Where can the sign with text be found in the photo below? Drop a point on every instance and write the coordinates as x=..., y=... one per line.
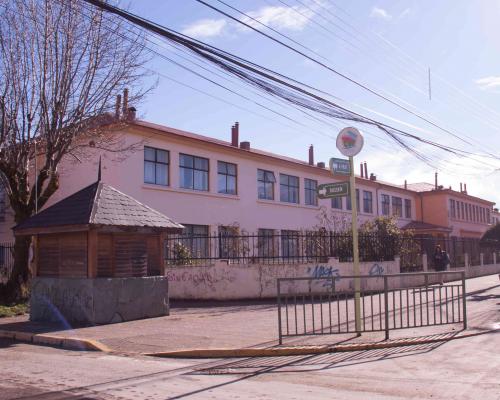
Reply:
x=340, y=166
x=330, y=190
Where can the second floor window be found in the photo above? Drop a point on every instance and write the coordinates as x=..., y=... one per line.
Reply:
x=289, y=188
x=226, y=177
x=311, y=197
x=337, y=203
x=407, y=208
x=265, y=184
x=397, y=206
x=156, y=166
x=452, y=208
x=193, y=172
x=367, y=202
x=385, y=204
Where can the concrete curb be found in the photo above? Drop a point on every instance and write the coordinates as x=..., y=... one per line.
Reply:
x=43, y=339
x=305, y=350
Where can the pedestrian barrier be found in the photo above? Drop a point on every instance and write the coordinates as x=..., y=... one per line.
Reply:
x=326, y=306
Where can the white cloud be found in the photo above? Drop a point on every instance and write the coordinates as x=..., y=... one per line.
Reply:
x=380, y=13
x=405, y=13
x=205, y=28
x=489, y=82
x=291, y=18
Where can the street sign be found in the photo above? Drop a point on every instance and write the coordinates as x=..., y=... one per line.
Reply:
x=330, y=190
x=340, y=166
x=350, y=141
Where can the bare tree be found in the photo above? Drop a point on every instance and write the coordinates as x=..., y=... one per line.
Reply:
x=61, y=65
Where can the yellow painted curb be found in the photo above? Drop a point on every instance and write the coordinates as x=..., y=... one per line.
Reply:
x=250, y=352
x=70, y=343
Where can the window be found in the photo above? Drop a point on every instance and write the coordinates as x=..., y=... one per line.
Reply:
x=229, y=242
x=462, y=207
x=289, y=188
x=385, y=204
x=193, y=172
x=452, y=208
x=156, y=166
x=397, y=206
x=367, y=202
x=265, y=184
x=226, y=177
x=310, y=186
x=407, y=208
x=348, y=201
x=195, y=238
x=289, y=243
x=265, y=243
x=337, y=203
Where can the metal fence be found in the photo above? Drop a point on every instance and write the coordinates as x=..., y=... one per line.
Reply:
x=305, y=247
x=277, y=248
x=324, y=306
x=6, y=261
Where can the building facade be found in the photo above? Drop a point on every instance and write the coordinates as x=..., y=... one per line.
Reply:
x=213, y=186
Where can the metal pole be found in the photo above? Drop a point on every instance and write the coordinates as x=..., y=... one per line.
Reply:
x=36, y=182
x=355, y=249
x=279, y=311
x=386, y=308
x=464, y=314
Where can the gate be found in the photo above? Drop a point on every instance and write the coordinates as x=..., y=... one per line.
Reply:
x=324, y=306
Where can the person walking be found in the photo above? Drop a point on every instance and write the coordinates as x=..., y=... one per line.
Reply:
x=441, y=261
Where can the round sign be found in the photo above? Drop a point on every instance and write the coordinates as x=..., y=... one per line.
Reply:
x=350, y=141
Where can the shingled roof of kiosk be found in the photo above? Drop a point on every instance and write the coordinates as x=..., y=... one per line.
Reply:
x=97, y=205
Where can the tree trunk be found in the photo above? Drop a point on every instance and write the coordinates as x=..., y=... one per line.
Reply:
x=16, y=289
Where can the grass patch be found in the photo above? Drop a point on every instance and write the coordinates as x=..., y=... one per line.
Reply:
x=13, y=310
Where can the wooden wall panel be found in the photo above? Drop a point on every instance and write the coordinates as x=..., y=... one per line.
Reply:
x=48, y=255
x=131, y=255
x=63, y=255
x=154, y=266
x=105, y=255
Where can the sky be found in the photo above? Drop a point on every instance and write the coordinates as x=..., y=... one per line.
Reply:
x=387, y=45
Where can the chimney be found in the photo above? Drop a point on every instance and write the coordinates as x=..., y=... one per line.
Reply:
x=320, y=164
x=118, y=106
x=373, y=177
x=235, y=134
x=465, y=188
x=361, y=168
x=461, y=188
x=125, y=103
x=366, y=170
x=131, y=114
x=406, y=184
x=244, y=145
x=436, y=180
x=311, y=155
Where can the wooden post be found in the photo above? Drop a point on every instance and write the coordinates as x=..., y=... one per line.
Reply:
x=161, y=249
x=35, y=256
x=92, y=253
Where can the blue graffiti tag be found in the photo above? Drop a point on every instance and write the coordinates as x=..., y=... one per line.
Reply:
x=324, y=271
x=376, y=270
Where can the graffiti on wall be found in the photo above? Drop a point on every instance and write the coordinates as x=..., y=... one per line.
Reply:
x=324, y=271
x=376, y=270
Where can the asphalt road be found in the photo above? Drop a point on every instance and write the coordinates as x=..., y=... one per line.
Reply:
x=459, y=369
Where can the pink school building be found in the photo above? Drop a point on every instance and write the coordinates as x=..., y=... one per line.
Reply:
x=210, y=185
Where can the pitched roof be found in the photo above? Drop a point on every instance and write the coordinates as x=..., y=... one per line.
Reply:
x=98, y=204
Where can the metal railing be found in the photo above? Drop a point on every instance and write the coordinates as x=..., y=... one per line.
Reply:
x=324, y=306
x=6, y=261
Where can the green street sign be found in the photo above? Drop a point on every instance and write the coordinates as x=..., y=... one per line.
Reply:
x=330, y=190
x=340, y=166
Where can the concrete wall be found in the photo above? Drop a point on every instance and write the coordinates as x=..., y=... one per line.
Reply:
x=224, y=281
x=98, y=301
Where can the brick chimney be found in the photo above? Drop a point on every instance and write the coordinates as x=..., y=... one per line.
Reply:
x=361, y=169
x=311, y=155
x=366, y=170
x=235, y=134
x=245, y=145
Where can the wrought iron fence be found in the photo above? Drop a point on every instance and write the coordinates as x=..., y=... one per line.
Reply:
x=305, y=247
x=6, y=260
x=277, y=248
x=322, y=306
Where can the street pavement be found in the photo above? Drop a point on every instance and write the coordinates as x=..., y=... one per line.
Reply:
x=459, y=369
x=242, y=325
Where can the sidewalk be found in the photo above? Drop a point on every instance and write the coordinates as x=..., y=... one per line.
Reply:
x=248, y=325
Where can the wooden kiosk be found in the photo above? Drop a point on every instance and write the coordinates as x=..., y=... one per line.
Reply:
x=98, y=258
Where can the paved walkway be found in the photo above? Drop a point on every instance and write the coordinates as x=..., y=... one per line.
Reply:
x=244, y=325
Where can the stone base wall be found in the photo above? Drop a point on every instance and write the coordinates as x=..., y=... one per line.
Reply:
x=85, y=301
